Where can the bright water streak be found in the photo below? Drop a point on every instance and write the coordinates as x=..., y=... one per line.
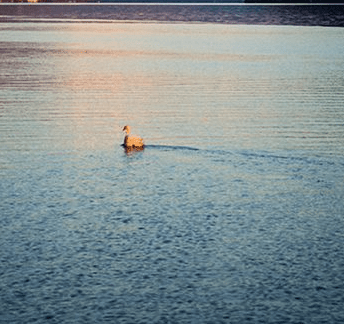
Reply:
x=234, y=211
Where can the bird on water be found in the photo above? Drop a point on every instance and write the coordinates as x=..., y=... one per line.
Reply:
x=132, y=142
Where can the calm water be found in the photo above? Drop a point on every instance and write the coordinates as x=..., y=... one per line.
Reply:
x=232, y=214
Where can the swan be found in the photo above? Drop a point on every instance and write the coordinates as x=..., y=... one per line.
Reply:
x=131, y=141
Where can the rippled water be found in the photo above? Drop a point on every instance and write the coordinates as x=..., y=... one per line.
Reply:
x=232, y=214
x=229, y=13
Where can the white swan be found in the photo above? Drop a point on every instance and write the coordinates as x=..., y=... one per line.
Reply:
x=132, y=142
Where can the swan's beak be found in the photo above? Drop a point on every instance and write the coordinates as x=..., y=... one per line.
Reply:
x=127, y=129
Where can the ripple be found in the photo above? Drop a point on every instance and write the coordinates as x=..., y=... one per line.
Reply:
x=233, y=212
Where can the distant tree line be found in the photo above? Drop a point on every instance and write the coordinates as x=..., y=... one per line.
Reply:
x=128, y=1
x=183, y=1
x=124, y=1
x=294, y=1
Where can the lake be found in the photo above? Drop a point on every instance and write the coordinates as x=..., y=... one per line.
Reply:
x=233, y=212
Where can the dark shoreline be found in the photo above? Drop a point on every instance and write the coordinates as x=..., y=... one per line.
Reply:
x=176, y=2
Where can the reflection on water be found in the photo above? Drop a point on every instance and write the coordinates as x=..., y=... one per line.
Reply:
x=285, y=84
x=231, y=213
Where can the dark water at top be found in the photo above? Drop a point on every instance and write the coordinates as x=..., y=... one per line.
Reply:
x=302, y=15
x=233, y=213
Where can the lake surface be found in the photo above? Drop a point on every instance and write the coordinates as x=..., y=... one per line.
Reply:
x=247, y=14
x=233, y=213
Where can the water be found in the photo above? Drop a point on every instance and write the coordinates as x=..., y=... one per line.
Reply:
x=232, y=214
x=230, y=13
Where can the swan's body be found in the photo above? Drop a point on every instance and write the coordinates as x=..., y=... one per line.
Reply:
x=132, y=142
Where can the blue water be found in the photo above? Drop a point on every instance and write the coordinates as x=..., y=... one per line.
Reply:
x=233, y=212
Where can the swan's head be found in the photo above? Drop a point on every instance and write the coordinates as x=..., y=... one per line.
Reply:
x=126, y=129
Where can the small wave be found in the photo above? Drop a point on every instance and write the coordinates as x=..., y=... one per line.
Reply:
x=314, y=160
x=171, y=147
x=269, y=156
